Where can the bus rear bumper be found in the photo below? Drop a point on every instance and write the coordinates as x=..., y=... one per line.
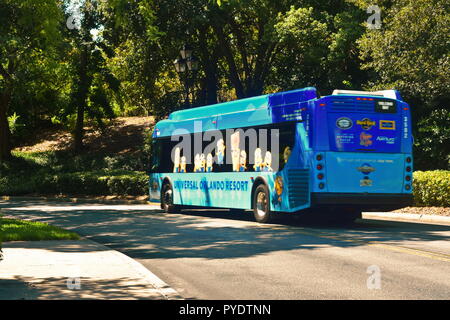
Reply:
x=365, y=201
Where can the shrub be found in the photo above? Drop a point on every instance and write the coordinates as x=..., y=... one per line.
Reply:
x=432, y=188
x=76, y=183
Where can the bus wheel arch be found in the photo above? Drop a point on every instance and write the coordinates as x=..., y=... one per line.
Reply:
x=258, y=181
x=167, y=197
x=260, y=201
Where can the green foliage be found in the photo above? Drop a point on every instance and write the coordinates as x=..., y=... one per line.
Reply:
x=432, y=188
x=22, y=230
x=48, y=72
x=432, y=145
x=14, y=125
x=66, y=173
x=76, y=183
x=411, y=51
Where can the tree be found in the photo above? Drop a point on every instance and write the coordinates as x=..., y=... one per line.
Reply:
x=26, y=27
x=411, y=53
x=92, y=79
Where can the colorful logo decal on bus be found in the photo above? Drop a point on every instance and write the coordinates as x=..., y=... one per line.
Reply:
x=387, y=140
x=366, y=168
x=366, y=123
x=365, y=139
x=387, y=124
x=278, y=191
x=344, y=123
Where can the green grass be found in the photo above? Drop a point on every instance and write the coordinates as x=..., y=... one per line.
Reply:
x=21, y=230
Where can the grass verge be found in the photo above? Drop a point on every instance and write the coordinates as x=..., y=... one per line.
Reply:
x=22, y=230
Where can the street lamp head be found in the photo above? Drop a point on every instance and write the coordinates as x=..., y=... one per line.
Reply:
x=186, y=51
x=192, y=63
x=180, y=65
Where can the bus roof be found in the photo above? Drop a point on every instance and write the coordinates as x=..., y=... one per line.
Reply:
x=391, y=94
x=252, y=111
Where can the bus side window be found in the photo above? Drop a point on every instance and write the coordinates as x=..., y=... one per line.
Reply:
x=165, y=158
x=286, y=140
x=156, y=154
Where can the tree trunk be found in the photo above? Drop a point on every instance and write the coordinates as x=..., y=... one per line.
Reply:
x=5, y=146
x=209, y=60
x=81, y=96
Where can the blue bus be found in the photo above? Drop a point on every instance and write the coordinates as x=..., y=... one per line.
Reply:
x=291, y=152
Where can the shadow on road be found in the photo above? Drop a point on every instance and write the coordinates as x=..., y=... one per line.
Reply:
x=218, y=234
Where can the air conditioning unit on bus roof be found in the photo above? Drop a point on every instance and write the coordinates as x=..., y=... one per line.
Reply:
x=384, y=93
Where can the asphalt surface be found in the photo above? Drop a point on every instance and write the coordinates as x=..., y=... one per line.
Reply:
x=207, y=254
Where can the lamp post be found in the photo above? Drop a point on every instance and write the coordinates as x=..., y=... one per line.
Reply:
x=186, y=66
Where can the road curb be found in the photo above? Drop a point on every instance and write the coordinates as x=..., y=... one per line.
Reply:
x=407, y=217
x=163, y=288
x=74, y=200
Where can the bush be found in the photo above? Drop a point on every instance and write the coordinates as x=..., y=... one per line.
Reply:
x=76, y=183
x=432, y=188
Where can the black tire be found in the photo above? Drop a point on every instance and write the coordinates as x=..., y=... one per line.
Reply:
x=261, y=204
x=338, y=216
x=167, y=199
x=350, y=215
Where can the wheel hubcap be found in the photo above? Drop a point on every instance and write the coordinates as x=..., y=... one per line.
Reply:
x=261, y=204
x=168, y=197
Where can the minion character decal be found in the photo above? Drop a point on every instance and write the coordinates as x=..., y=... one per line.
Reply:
x=209, y=163
x=220, y=151
x=183, y=164
x=197, y=163
x=176, y=160
x=258, y=160
x=279, y=186
x=268, y=162
x=286, y=154
x=235, y=151
x=202, y=163
x=243, y=161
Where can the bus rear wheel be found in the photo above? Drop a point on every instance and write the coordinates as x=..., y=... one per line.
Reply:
x=261, y=204
x=167, y=199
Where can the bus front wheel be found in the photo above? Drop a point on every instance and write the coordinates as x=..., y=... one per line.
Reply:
x=167, y=199
x=261, y=204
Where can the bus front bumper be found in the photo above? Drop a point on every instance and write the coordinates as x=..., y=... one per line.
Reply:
x=365, y=201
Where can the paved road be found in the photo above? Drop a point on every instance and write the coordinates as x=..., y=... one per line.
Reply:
x=219, y=255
